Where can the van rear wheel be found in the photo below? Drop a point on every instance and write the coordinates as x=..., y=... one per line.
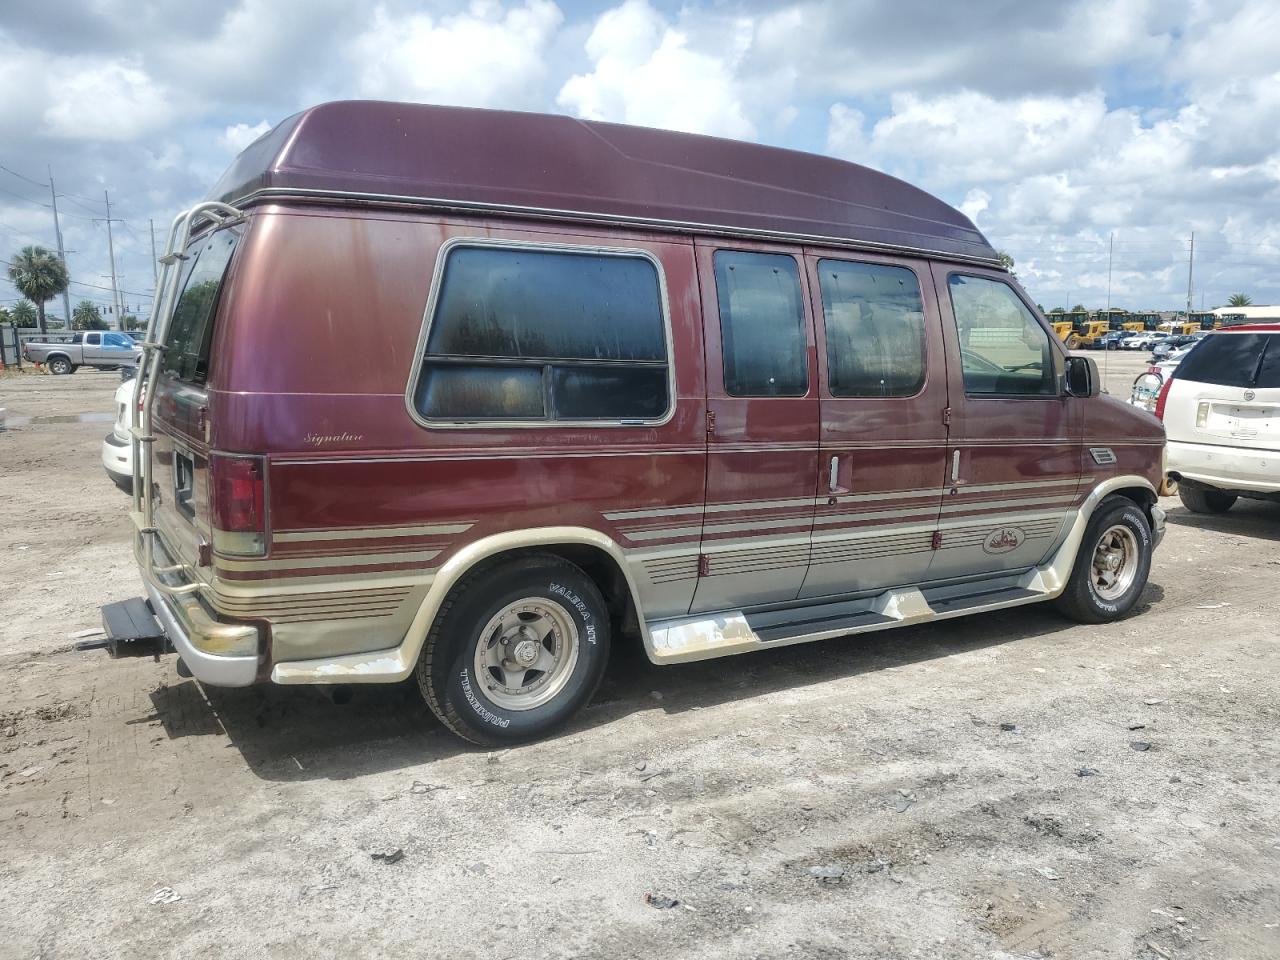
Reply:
x=1112, y=564
x=1204, y=500
x=516, y=651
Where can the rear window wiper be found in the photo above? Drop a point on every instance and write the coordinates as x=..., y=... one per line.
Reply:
x=1257, y=369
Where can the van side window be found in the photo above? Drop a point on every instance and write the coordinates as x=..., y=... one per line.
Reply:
x=530, y=334
x=187, y=342
x=1003, y=350
x=762, y=333
x=874, y=318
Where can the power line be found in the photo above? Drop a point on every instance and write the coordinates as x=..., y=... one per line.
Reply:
x=96, y=286
x=21, y=233
x=20, y=176
x=21, y=197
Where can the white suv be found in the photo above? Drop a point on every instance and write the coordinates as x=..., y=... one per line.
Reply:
x=1221, y=413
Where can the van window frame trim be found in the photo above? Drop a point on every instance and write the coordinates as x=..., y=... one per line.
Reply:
x=1056, y=346
x=542, y=423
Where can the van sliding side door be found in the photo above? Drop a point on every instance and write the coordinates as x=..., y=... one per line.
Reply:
x=1014, y=463
x=883, y=433
x=762, y=425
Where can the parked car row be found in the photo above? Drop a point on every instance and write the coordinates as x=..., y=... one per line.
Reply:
x=1154, y=340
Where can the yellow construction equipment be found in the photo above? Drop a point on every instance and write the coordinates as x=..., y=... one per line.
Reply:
x=1066, y=332
x=1090, y=332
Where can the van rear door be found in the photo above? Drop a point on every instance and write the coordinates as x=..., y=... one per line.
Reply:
x=1013, y=472
x=180, y=410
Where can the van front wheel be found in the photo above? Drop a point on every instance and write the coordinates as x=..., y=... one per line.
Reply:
x=516, y=651
x=1112, y=565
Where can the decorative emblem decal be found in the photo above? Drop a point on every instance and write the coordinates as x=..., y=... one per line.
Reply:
x=1249, y=394
x=1003, y=540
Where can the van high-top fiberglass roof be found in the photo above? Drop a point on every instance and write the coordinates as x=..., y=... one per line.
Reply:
x=542, y=165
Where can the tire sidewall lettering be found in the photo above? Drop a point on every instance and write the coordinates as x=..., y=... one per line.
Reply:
x=483, y=712
x=579, y=606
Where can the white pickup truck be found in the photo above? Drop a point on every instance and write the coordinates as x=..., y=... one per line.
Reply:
x=103, y=349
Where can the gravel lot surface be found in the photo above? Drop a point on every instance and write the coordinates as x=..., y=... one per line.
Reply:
x=1007, y=785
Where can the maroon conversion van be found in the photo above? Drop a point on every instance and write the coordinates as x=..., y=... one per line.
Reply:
x=473, y=395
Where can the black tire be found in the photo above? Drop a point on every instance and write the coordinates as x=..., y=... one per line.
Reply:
x=61, y=366
x=447, y=665
x=1205, y=500
x=1086, y=601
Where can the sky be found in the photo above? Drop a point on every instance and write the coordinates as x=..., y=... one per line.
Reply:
x=1054, y=125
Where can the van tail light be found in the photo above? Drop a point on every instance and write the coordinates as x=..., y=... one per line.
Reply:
x=239, y=504
x=1163, y=398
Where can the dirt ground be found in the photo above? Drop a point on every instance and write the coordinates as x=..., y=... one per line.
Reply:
x=977, y=788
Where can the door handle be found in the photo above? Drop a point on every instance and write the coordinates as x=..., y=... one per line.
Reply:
x=833, y=476
x=955, y=467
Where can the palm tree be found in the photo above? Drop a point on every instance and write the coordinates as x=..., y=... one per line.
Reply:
x=40, y=276
x=24, y=314
x=1240, y=300
x=86, y=317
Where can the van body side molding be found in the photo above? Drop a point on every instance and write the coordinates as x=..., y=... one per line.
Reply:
x=685, y=639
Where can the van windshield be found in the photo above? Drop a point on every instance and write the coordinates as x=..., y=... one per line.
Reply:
x=186, y=345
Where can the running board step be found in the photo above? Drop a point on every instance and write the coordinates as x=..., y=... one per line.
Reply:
x=784, y=624
x=715, y=635
x=985, y=598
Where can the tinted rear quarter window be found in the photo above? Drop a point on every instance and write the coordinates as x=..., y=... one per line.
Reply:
x=545, y=335
x=1234, y=360
x=186, y=345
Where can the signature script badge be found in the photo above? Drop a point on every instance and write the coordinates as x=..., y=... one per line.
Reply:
x=325, y=439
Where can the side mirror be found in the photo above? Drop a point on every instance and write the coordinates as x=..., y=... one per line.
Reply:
x=1082, y=377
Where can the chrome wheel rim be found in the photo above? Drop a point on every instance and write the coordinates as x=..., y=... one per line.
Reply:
x=1115, y=562
x=526, y=653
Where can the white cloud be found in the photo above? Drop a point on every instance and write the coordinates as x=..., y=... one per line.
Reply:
x=646, y=71
x=489, y=56
x=236, y=138
x=104, y=100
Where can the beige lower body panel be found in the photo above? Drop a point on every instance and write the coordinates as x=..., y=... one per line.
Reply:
x=661, y=580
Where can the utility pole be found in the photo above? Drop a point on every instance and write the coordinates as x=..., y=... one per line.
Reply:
x=155, y=264
x=62, y=253
x=1111, y=249
x=1191, y=259
x=111, y=251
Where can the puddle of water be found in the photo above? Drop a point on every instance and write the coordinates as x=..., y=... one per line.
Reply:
x=60, y=418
